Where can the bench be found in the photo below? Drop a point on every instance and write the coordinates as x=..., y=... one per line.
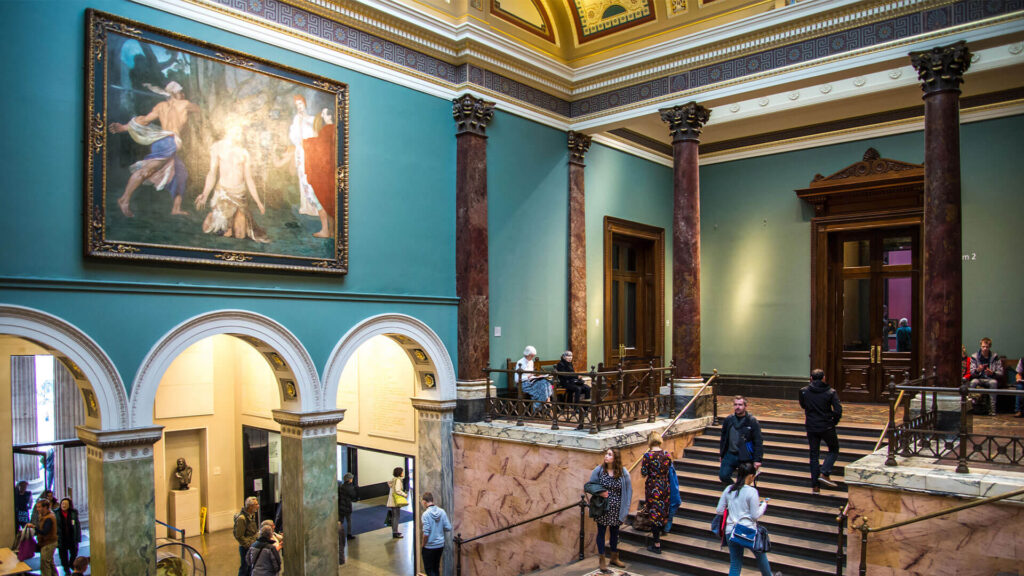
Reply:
x=539, y=366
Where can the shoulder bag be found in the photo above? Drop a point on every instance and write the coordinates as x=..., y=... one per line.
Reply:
x=400, y=500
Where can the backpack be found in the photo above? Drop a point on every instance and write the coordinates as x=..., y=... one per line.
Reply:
x=255, y=561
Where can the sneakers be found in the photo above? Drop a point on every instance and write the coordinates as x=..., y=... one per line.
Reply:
x=827, y=481
x=398, y=535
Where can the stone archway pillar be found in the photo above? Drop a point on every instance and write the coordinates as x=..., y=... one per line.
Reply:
x=435, y=463
x=309, y=490
x=122, y=518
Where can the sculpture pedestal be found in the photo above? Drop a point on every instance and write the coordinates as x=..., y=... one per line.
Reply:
x=183, y=512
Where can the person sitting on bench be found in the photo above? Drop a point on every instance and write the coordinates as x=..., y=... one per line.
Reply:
x=986, y=371
x=575, y=388
x=536, y=386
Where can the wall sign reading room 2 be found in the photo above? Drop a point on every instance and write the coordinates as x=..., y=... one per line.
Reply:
x=199, y=154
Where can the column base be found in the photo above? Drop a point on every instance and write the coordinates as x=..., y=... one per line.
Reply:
x=948, y=418
x=685, y=390
x=471, y=404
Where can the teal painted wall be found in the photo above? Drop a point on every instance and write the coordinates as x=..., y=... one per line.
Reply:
x=401, y=211
x=630, y=188
x=755, y=247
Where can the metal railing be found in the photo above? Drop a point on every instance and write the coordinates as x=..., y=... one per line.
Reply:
x=617, y=397
x=460, y=541
x=169, y=527
x=865, y=529
x=918, y=436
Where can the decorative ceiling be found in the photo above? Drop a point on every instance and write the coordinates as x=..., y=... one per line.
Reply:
x=596, y=18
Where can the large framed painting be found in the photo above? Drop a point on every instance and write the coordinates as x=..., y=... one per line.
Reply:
x=197, y=154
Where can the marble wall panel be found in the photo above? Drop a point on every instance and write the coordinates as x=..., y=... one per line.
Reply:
x=310, y=498
x=434, y=470
x=499, y=482
x=122, y=530
x=982, y=541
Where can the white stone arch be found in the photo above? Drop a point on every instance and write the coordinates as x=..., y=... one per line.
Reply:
x=391, y=324
x=90, y=366
x=264, y=334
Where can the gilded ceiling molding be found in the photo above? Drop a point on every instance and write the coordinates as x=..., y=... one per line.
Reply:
x=544, y=31
x=594, y=19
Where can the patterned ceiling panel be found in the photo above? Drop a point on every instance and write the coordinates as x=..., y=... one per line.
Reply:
x=596, y=18
x=530, y=15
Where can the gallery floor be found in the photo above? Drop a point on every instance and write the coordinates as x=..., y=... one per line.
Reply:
x=373, y=553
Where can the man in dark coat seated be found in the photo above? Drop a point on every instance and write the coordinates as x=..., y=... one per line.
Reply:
x=575, y=388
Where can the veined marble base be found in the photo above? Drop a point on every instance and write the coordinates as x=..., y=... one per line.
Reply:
x=685, y=389
x=924, y=475
x=543, y=435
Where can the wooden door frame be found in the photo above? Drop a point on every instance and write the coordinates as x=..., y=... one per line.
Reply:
x=613, y=226
x=873, y=193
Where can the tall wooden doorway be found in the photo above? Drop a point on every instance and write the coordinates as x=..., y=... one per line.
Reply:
x=634, y=293
x=866, y=274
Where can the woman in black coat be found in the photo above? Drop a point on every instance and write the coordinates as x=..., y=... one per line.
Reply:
x=69, y=534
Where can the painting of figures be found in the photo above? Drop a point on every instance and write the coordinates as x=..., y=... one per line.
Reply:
x=197, y=154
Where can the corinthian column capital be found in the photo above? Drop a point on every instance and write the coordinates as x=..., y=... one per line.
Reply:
x=579, y=143
x=685, y=121
x=472, y=115
x=942, y=68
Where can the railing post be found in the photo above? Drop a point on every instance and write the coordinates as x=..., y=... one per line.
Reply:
x=841, y=521
x=864, y=547
x=520, y=407
x=905, y=405
x=488, y=405
x=618, y=401
x=583, y=508
x=672, y=391
x=907, y=428
x=652, y=393
x=458, y=554
x=935, y=399
x=890, y=460
x=595, y=392
x=923, y=395
x=961, y=466
x=714, y=403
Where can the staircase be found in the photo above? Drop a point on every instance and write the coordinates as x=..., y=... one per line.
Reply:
x=802, y=525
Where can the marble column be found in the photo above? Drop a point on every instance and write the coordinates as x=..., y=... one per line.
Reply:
x=941, y=72
x=435, y=463
x=578, y=146
x=122, y=506
x=309, y=490
x=685, y=123
x=472, y=115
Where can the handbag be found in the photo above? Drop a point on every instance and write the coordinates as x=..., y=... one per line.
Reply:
x=761, y=542
x=642, y=519
x=743, y=535
x=718, y=523
x=400, y=501
x=27, y=545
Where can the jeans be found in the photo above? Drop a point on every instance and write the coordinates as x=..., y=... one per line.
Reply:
x=1018, y=404
x=729, y=463
x=991, y=384
x=432, y=560
x=814, y=440
x=736, y=560
x=613, y=538
x=243, y=568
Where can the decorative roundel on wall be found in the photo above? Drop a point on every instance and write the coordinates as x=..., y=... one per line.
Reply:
x=428, y=380
x=289, y=388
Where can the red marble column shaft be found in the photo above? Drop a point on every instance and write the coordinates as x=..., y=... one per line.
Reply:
x=578, y=146
x=685, y=124
x=941, y=71
x=471, y=263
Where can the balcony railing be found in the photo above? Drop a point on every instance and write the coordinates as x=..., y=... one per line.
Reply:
x=617, y=397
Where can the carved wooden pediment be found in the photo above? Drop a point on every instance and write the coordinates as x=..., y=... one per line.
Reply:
x=867, y=185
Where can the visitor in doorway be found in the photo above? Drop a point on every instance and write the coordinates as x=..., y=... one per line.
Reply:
x=903, y=342
x=80, y=565
x=618, y=494
x=346, y=496
x=45, y=526
x=397, y=498
x=536, y=386
x=264, y=553
x=47, y=495
x=22, y=505
x=822, y=412
x=741, y=441
x=246, y=531
x=69, y=533
x=1018, y=404
x=987, y=371
x=575, y=388
x=655, y=467
x=435, y=524
x=744, y=508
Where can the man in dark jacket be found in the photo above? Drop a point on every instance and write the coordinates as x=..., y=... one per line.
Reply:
x=822, y=412
x=741, y=440
x=346, y=495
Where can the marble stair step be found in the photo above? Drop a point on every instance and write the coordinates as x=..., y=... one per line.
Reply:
x=705, y=455
x=824, y=530
x=800, y=437
x=823, y=512
x=871, y=431
x=770, y=472
x=781, y=542
x=780, y=493
x=640, y=562
x=847, y=453
x=710, y=548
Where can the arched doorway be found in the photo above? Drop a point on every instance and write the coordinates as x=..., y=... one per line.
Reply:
x=424, y=389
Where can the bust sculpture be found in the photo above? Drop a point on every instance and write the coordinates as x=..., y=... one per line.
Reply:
x=184, y=474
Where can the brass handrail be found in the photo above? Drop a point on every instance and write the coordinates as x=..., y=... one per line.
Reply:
x=865, y=529
x=886, y=429
x=713, y=377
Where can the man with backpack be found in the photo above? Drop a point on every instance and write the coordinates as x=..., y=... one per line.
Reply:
x=741, y=440
x=822, y=412
x=246, y=532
